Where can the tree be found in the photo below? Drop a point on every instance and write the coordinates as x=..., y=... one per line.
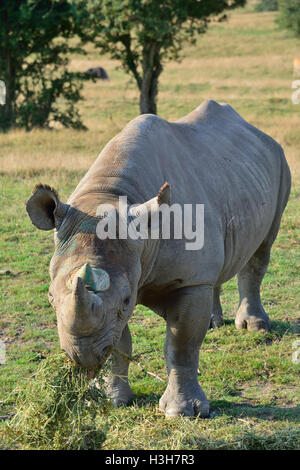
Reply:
x=289, y=15
x=34, y=43
x=266, y=5
x=144, y=34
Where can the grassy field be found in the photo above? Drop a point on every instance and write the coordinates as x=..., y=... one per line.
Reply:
x=249, y=378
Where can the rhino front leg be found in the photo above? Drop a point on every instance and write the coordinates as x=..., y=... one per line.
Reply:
x=251, y=314
x=118, y=388
x=188, y=318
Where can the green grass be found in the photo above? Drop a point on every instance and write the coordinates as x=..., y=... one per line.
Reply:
x=249, y=378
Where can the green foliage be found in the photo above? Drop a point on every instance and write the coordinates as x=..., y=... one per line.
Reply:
x=143, y=34
x=56, y=409
x=34, y=43
x=266, y=5
x=289, y=16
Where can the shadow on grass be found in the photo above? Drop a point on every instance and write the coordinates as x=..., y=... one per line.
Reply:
x=278, y=328
x=141, y=399
x=235, y=410
x=249, y=439
x=281, y=328
x=269, y=413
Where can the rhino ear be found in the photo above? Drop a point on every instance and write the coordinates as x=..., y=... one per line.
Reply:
x=164, y=194
x=45, y=209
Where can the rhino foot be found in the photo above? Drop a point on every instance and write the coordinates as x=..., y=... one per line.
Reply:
x=120, y=395
x=192, y=403
x=216, y=320
x=252, y=320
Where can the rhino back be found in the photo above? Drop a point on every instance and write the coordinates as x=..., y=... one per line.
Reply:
x=212, y=157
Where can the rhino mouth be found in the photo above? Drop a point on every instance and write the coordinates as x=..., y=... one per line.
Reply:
x=90, y=358
x=106, y=353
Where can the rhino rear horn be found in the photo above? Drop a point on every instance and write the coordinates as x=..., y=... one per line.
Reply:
x=45, y=209
x=95, y=279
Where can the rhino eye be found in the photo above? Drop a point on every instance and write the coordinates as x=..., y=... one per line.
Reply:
x=126, y=302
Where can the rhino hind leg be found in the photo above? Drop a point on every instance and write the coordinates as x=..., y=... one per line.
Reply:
x=188, y=317
x=251, y=314
x=217, y=314
x=118, y=388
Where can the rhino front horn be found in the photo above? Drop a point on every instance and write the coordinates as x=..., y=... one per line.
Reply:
x=85, y=310
x=96, y=280
x=80, y=295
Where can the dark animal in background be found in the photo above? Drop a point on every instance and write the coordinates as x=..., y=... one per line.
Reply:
x=97, y=72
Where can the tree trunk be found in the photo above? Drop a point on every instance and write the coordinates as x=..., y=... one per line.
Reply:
x=152, y=68
x=9, y=108
x=148, y=95
x=7, y=112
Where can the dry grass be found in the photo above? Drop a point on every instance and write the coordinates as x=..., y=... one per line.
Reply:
x=56, y=409
x=246, y=62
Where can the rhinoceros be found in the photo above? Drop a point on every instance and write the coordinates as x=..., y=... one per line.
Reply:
x=97, y=72
x=211, y=157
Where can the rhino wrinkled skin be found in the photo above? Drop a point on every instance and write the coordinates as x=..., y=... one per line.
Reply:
x=211, y=157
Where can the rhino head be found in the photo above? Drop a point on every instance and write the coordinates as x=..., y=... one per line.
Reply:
x=94, y=282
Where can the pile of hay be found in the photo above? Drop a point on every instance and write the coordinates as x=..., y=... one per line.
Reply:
x=57, y=408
